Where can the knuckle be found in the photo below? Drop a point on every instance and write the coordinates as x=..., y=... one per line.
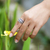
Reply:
x=17, y=23
x=25, y=13
x=34, y=21
x=35, y=32
x=21, y=30
x=29, y=18
x=28, y=31
x=26, y=34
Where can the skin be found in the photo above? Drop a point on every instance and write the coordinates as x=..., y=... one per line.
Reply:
x=34, y=19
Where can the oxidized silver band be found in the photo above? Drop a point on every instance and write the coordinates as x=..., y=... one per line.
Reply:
x=21, y=21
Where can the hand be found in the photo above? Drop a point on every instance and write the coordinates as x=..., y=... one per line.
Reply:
x=34, y=19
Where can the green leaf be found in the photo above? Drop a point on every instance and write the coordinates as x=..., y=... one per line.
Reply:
x=26, y=45
x=1, y=43
x=14, y=17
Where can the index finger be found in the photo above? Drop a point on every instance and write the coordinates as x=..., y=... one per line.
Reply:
x=15, y=28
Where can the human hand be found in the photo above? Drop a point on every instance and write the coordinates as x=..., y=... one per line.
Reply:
x=34, y=19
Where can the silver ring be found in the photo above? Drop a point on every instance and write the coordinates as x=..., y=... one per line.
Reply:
x=21, y=21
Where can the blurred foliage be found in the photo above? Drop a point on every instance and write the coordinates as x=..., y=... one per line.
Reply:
x=4, y=25
x=5, y=22
x=1, y=4
x=19, y=1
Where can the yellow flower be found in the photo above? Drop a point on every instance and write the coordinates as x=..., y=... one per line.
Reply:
x=6, y=33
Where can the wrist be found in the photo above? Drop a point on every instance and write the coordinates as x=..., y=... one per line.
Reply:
x=47, y=4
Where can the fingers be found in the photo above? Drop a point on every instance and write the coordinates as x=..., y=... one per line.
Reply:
x=28, y=31
x=35, y=31
x=21, y=31
x=15, y=28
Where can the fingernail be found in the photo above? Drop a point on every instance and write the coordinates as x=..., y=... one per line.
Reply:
x=16, y=41
x=10, y=35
